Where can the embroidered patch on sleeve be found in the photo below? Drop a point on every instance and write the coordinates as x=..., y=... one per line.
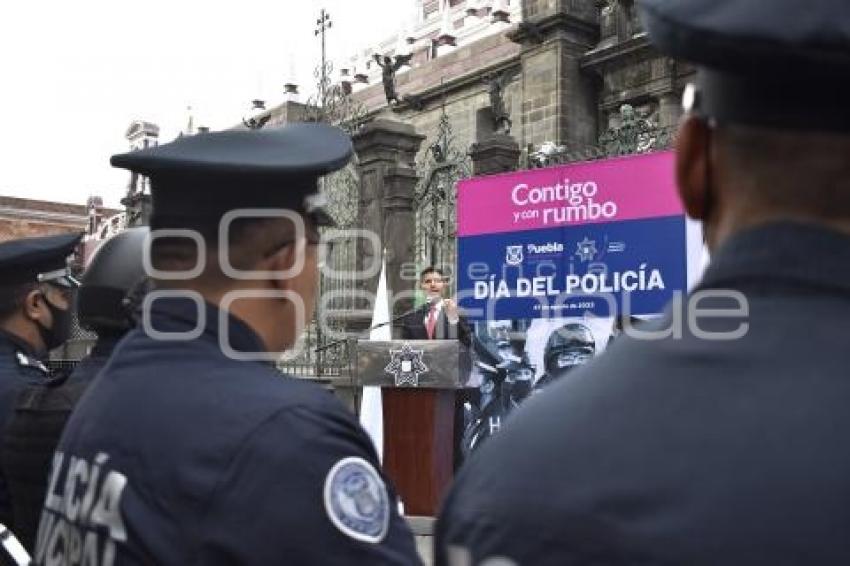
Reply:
x=356, y=500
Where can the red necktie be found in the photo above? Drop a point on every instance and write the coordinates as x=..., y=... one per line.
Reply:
x=431, y=323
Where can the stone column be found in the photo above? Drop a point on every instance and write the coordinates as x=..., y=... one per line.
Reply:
x=558, y=100
x=386, y=151
x=669, y=110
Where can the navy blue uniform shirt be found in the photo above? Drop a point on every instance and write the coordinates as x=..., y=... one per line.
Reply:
x=33, y=431
x=19, y=367
x=685, y=451
x=178, y=454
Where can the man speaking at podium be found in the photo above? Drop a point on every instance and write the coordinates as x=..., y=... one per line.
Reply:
x=438, y=318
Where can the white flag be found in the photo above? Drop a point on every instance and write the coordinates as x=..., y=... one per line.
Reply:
x=371, y=407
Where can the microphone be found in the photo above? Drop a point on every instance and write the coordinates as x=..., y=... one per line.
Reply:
x=366, y=332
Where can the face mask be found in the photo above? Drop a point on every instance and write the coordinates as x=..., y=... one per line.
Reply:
x=59, y=333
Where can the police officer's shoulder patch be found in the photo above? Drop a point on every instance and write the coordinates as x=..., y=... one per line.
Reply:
x=356, y=500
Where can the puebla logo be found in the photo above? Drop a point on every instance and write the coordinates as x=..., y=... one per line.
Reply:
x=513, y=255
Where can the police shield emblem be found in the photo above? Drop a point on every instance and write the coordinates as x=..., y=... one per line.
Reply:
x=513, y=255
x=406, y=365
x=356, y=500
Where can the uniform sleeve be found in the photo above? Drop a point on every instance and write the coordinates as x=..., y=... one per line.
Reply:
x=306, y=488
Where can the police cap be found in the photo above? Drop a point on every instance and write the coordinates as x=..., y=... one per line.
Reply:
x=781, y=64
x=36, y=260
x=196, y=179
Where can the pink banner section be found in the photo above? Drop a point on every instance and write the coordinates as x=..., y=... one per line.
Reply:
x=623, y=188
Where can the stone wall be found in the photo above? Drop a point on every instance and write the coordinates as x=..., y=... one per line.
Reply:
x=456, y=82
x=569, y=66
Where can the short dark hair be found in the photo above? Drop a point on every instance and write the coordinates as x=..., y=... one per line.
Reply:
x=250, y=240
x=431, y=269
x=12, y=297
x=805, y=172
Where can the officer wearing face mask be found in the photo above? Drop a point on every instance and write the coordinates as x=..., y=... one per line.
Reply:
x=108, y=300
x=35, y=317
x=570, y=346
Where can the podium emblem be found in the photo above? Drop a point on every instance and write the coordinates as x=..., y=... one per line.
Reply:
x=406, y=365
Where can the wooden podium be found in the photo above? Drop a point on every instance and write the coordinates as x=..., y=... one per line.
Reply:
x=420, y=380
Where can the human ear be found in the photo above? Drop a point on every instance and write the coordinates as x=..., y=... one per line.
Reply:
x=33, y=305
x=692, y=166
x=288, y=262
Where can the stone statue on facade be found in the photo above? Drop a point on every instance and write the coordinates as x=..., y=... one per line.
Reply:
x=607, y=19
x=496, y=84
x=388, y=69
x=618, y=19
x=256, y=123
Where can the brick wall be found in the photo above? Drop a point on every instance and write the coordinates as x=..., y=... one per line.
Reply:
x=23, y=218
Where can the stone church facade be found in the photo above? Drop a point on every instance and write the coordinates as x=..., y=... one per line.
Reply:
x=568, y=67
x=480, y=87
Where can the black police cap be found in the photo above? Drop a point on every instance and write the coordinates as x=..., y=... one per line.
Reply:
x=41, y=259
x=195, y=180
x=782, y=64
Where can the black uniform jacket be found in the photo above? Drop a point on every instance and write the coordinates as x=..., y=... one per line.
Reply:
x=181, y=453
x=33, y=431
x=20, y=366
x=686, y=450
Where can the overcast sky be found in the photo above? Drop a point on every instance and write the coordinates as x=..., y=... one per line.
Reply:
x=75, y=74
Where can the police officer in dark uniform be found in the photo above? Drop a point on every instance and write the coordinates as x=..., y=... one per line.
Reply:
x=190, y=447
x=724, y=445
x=107, y=303
x=110, y=297
x=35, y=316
x=567, y=348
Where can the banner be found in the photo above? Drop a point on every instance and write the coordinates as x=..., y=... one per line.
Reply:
x=552, y=263
x=571, y=240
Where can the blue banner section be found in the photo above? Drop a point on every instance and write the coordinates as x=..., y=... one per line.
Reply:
x=628, y=267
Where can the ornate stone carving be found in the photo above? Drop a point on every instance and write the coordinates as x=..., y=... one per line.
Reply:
x=634, y=134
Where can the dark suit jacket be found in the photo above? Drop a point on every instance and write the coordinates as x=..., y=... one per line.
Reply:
x=412, y=327
x=686, y=451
